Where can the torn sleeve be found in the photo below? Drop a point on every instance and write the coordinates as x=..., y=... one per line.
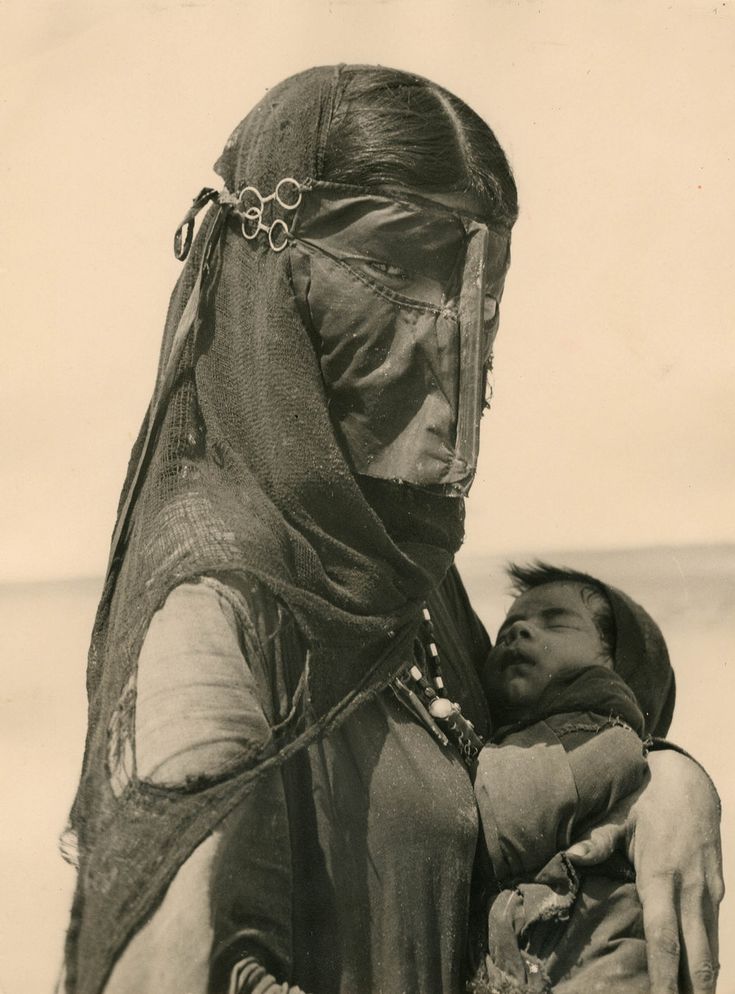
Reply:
x=225, y=922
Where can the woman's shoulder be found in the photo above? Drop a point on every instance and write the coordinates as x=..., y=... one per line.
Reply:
x=236, y=617
x=241, y=602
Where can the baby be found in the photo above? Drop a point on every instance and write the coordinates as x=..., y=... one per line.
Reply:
x=578, y=680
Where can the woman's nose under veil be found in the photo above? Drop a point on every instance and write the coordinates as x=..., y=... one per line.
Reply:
x=394, y=291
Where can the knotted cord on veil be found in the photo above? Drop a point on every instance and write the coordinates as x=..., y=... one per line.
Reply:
x=237, y=470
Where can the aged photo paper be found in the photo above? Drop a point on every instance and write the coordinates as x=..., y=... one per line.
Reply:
x=610, y=442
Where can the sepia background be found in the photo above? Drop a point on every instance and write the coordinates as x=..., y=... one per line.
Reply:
x=610, y=443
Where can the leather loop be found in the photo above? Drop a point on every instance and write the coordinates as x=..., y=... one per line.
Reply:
x=185, y=230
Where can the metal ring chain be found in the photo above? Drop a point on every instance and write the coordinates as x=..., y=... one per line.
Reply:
x=254, y=213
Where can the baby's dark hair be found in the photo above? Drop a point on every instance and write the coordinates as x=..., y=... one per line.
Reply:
x=593, y=593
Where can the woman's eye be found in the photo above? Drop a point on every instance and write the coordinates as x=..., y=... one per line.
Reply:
x=385, y=269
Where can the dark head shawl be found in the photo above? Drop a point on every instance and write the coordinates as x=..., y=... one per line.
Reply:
x=237, y=471
x=642, y=660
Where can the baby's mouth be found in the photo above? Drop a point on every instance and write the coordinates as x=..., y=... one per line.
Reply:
x=514, y=656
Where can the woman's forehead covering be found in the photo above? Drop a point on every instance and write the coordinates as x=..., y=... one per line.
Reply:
x=283, y=135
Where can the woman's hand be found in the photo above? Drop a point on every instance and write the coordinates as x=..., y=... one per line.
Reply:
x=671, y=831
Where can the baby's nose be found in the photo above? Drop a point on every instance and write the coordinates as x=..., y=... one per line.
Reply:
x=518, y=630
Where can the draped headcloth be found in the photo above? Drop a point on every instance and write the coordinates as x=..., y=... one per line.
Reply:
x=237, y=470
x=642, y=660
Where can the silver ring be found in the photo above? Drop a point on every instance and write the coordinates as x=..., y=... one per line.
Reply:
x=279, y=196
x=281, y=247
x=251, y=189
x=254, y=233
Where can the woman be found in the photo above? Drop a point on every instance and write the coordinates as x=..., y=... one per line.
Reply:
x=265, y=804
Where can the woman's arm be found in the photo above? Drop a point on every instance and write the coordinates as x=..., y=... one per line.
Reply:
x=225, y=922
x=671, y=830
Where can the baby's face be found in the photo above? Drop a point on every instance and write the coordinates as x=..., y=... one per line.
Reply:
x=548, y=630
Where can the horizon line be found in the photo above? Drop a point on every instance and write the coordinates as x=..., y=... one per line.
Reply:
x=30, y=581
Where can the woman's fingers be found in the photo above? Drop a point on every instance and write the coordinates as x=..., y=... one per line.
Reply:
x=612, y=835
x=699, y=948
x=680, y=921
x=661, y=925
x=677, y=856
x=700, y=944
x=598, y=845
x=670, y=830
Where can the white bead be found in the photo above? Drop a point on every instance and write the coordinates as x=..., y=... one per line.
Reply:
x=440, y=708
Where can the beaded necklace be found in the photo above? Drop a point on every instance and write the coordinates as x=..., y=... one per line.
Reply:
x=448, y=714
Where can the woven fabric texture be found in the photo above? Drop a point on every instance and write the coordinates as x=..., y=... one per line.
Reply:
x=244, y=477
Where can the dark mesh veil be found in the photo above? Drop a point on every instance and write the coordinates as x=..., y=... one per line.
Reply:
x=243, y=475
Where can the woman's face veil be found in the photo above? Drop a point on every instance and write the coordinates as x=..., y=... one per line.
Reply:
x=392, y=288
x=395, y=289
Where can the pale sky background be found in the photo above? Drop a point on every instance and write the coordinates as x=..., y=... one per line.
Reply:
x=614, y=411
